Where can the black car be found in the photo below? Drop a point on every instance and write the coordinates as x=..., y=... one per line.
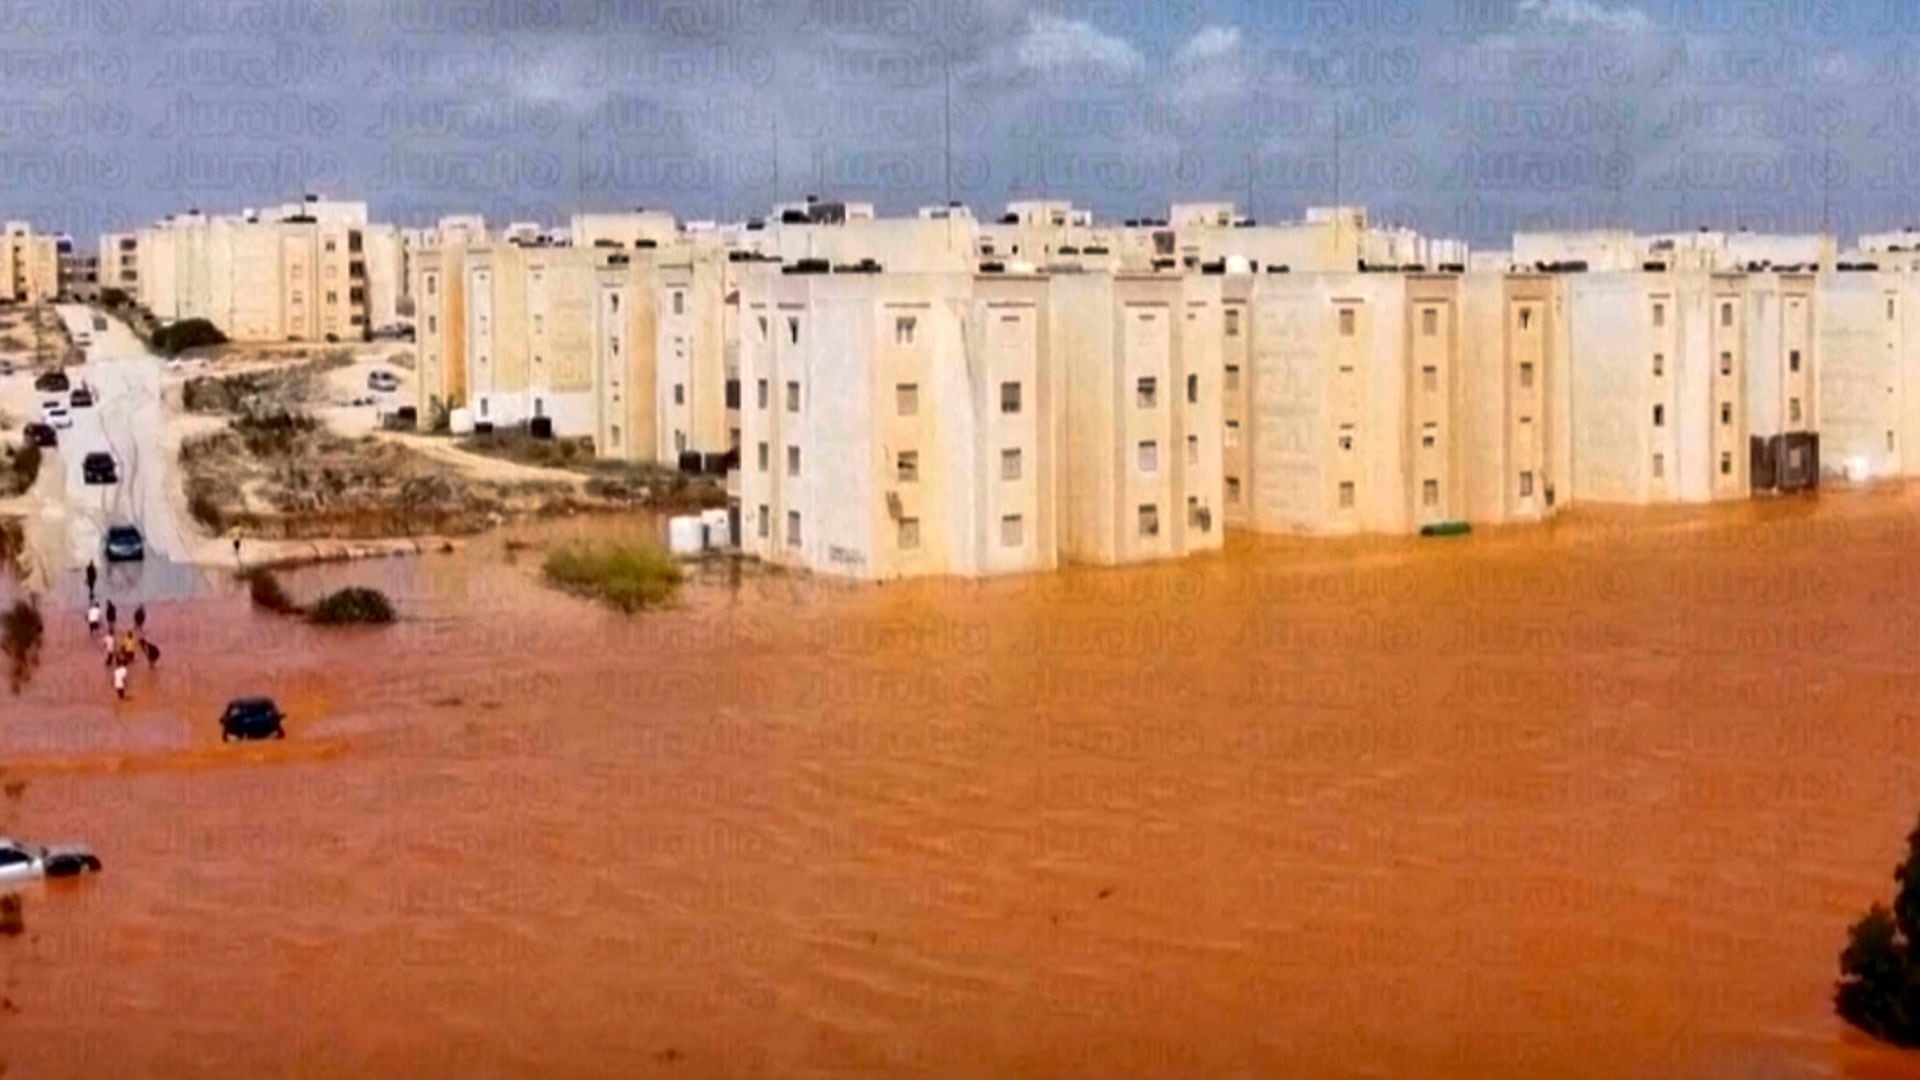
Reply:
x=40, y=434
x=124, y=544
x=98, y=468
x=82, y=398
x=52, y=382
x=252, y=718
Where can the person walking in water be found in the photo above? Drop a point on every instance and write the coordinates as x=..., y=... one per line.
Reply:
x=93, y=618
x=113, y=616
x=152, y=651
x=93, y=575
x=120, y=680
x=128, y=643
x=140, y=617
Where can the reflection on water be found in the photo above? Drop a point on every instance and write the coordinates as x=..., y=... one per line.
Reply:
x=1589, y=800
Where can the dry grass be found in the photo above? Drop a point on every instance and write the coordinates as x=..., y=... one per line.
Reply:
x=625, y=576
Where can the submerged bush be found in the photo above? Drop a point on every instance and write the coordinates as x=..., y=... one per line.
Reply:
x=22, y=468
x=268, y=595
x=1879, y=990
x=20, y=636
x=175, y=338
x=629, y=577
x=351, y=606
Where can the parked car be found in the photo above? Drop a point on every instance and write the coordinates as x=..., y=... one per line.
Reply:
x=82, y=397
x=30, y=862
x=124, y=544
x=6, y=368
x=52, y=382
x=98, y=468
x=55, y=413
x=99, y=322
x=383, y=381
x=40, y=434
x=252, y=718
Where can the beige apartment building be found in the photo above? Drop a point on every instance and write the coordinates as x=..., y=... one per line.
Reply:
x=29, y=264
x=300, y=272
x=691, y=355
x=898, y=425
x=120, y=263
x=1516, y=445
x=1140, y=360
x=1869, y=373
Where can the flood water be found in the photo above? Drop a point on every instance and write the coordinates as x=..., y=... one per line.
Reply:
x=1595, y=799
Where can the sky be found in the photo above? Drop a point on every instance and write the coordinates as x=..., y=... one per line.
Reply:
x=1466, y=118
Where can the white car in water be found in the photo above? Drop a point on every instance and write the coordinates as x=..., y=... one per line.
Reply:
x=56, y=415
x=30, y=862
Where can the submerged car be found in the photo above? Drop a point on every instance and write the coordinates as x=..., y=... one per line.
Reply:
x=252, y=718
x=40, y=434
x=98, y=468
x=52, y=382
x=124, y=544
x=31, y=862
x=383, y=381
x=82, y=397
x=56, y=414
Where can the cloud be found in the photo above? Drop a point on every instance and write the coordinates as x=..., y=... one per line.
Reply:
x=1053, y=46
x=1210, y=44
x=1587, y=14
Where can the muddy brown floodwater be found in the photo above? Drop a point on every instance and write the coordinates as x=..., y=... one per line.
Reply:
x=1597, y=799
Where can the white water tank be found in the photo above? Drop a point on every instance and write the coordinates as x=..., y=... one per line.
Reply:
x=686, y=535
x=718, y=534
x=460, y=421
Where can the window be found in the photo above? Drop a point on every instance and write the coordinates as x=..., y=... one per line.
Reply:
x=1726, y=314
x=1149, y=519
x=793, y=329
x=763, y=328
x=1659, y=365
x=1526, y=376
x=1193, y=449
x=1726, y=414
x=1726, y=464
x=1430, y=378
x=1793, y=360
x=1346, y=436
x=1526, y=485
x=1193, y=389
x=1013, y=531
x=679, y=442
x=431, y=282
x=1796, y=459
x=1233, y=322
x=1429, y=322
x=903, y=328
x=679, y=393
x=615, y=431
x=1010, y=464
x=906, y=399
x=1147, y=392
x=764, y=452
x=907, y=466
x=1659, y=416
x=1659, y=316
x=1149, y=456
x=793, y=461
x=1793, y=410
x=909, y=536
x=1010, y=397
x=1233, y=434
x=793, y=397
x=1659, y=465
x=433, y=324
x=793, y=528
x=1526, y=318
x=679, y=302
x=333, y=297
x=1233, y=489
x=1233, y=378
x=613, y=303
x=1346, y=322
x=1430, y=436
x=760, y=392
x=1726, y=363
x=1430, y=493
x=483, y=406
x=1346, y=494
x=766, y=524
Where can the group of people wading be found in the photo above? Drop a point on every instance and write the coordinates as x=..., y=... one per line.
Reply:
x=120, y=648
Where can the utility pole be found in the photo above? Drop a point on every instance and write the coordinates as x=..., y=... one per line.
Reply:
x=946, y=71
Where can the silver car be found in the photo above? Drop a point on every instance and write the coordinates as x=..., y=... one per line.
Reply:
x=30, y=862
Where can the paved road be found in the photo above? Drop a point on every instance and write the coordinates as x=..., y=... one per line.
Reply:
x=128, y=421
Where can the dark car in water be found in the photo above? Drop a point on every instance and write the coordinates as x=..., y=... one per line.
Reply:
x=40, y=434
x=252, y=718
x=98, y=468
x=52, y=382
x=82, y=397
x=124, y=544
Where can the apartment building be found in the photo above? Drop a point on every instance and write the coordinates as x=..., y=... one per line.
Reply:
x=79, y=271
x=627, y=229
x=1659, y=386
x=1140, y=356
x=524, y=341
x=296, y=273
x=1868, y=381
x=1328, y=239
x=691, y=355
x=897, y=425
x=29, y=264
x=1516, y=445
x=626, y=328
x=120, y=263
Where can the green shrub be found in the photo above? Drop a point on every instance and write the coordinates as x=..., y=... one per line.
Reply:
x=1879, y=990
x=20, y=632
x=114, y=298
x=23, y=467
x=176, y=338
x=625, y=576
x=267, y=594
x=353, y=606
